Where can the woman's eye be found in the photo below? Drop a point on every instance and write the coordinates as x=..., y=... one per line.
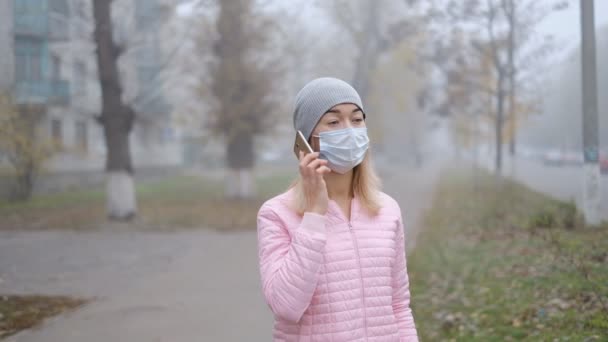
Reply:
x=358, y=120
x=333, y=122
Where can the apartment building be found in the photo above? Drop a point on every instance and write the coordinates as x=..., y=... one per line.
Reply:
x=48, y=64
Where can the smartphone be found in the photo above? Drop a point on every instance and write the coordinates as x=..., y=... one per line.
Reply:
x=301, y=145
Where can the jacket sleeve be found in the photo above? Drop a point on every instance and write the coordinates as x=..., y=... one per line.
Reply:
x=401, y=291
x=289, y=263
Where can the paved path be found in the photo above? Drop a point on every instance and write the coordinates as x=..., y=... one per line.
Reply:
x=209, y=292
x=187, y=286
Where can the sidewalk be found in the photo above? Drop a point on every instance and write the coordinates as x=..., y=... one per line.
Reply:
x=200, y=298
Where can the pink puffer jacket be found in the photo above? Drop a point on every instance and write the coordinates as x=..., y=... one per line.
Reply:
x=328, y=279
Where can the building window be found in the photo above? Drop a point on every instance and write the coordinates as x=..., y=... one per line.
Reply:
x=56, y=68
x=80, y=78
x=56, y=133
x=28, y=6
x=20, y=69
x=28, y=61
x=82, y=140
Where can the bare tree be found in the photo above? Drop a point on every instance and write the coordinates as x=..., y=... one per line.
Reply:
x=374, y=27
x=243, y=87
x=117, y=114
x=395, y=85
x=502, y=32
x=116, y=117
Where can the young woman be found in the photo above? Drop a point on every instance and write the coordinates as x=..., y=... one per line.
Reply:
x=331, y=248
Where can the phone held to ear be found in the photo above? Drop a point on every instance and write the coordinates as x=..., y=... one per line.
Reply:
x=301, y=145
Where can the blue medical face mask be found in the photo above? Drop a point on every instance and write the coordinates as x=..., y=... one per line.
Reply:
x=344, y=148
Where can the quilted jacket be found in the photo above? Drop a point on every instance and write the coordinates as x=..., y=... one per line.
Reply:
x=327, y=278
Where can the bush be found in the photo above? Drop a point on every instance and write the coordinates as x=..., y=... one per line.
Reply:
x=544, y=218
x=21, y=146
x=563, y=215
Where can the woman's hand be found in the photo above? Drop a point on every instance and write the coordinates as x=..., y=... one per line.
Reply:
x=312, y=170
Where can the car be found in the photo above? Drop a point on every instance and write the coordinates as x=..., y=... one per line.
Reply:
x=573, y=158
x=554, y=158
x=604, y=163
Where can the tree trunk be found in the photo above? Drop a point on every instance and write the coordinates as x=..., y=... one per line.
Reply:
x=121, y=203
x=240, y=160
x=116, y=118
x=120, y=195
x=511, y=61
x=499, y=121
x=512, y=143
x=24, y=183
x=239, y=184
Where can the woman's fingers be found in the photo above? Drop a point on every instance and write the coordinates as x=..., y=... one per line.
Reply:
x=310, y=162
x=323, y=170
x=316, y=163
x=307, y=158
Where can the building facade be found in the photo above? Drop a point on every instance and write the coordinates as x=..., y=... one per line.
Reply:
x=51, y=66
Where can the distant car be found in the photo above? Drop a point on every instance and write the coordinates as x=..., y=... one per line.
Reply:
x=573, y=158
x=604, y=163
x=531, y=153
x=554, y=158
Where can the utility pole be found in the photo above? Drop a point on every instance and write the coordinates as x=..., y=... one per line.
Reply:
x=591, y=187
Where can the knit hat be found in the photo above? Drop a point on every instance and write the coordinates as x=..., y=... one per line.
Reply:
x=319, y=96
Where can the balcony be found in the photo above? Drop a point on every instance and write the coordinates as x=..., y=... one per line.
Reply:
x=42, y=92
x=46, y=19
x=31, y=24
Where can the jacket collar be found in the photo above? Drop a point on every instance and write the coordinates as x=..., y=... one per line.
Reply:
x=335, y=213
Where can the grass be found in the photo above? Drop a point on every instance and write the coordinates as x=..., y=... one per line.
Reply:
x=499, y=262
x=175, y=203
x=23, y=312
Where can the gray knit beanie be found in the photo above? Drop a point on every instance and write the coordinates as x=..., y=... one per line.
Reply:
x=319, y=96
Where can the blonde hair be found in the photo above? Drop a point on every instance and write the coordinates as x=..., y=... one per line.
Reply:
x=366, y=187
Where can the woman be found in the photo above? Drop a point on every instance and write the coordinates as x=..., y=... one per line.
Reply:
x=331, y=248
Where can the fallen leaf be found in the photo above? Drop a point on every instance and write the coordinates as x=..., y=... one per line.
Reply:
x=516, y=322
x=559, y=303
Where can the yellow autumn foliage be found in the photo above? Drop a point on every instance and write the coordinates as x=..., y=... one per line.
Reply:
x=23, y=149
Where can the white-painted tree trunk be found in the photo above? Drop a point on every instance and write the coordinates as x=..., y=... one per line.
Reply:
x=240, y=183
x=231, y=183
x=247, y=184
x=120, y=195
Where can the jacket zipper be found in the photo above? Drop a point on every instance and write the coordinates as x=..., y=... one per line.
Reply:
x=350, y=226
